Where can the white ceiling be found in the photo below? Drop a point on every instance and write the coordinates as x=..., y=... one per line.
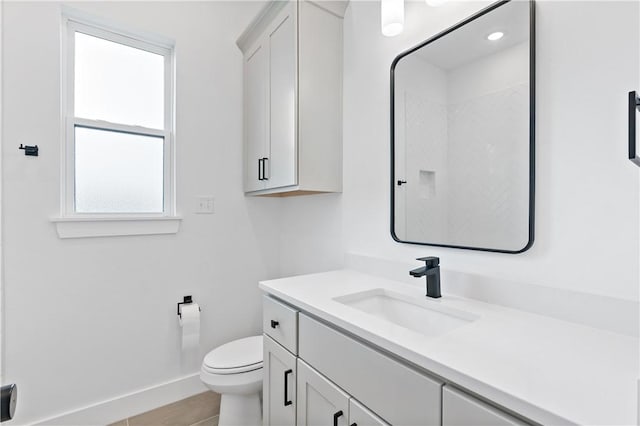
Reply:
x=469, y=43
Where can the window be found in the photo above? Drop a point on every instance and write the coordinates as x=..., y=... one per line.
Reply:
x=118, y=129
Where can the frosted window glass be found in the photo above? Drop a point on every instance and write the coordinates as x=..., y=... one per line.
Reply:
x=118, y=172
x=118, y=83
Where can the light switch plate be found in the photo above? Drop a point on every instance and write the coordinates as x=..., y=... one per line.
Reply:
x=204, y=205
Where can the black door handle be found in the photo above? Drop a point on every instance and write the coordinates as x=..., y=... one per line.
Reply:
x=336, y=416
x=260, y=169
x=354, y=424
x=274, y=323
x=634, y=105
x=286, y=388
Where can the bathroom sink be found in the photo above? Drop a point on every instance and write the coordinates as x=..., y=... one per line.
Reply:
x=421, y=315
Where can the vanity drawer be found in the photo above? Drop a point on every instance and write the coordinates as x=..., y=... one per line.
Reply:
x=361, y=416
x=397, y=393
x=460, y=409
x=280, y=322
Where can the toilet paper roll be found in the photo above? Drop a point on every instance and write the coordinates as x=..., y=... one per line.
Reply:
x=190, y=323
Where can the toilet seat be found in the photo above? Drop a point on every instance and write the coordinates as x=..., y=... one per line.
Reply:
x=239, y=356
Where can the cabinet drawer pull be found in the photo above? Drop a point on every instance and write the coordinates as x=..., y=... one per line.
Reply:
x=634, y=105
x=336, y=416
x=274, y=323
x=260, y=169
x=287, y=402
x=264, y=168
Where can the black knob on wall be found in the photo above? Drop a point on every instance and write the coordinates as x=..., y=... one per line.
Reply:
x=8, y=401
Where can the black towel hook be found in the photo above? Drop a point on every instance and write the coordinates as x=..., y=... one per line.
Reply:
x=30, y=150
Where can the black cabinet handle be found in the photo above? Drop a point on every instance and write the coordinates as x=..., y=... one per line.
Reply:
x=286, y=388
x=260, y=169
x=354, y=424
x=264, y=168
x=336, y=416
x=634, y=105
x=274, y=323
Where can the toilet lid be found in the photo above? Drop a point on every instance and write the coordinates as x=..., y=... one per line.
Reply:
x=236, y=357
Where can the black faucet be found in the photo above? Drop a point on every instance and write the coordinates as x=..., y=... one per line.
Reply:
x=432, y=271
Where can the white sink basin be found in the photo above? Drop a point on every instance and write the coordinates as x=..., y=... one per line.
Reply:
x=421, y=315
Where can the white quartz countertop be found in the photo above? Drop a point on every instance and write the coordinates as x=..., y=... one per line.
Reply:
x=550, y=371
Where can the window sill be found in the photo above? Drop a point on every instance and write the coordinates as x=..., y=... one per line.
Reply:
x=105, y=226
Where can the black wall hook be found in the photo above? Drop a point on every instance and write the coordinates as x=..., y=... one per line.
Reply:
x=30, y=150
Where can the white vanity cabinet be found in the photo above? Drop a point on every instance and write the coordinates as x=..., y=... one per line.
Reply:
x=292, y=54
x=359, y=415
x=279, y=389
x=461, y=409
x=397, y=393
x=316, y=374
x=320, y=402
x=279, y=385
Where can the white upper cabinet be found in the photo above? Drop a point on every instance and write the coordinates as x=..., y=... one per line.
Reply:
x=255, y=113
x=281, y=163
x=293, y=99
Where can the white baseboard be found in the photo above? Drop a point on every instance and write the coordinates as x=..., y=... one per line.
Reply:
x=128, y=405
x=607, y=313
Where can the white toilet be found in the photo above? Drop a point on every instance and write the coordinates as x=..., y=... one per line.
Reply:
x=234, y=370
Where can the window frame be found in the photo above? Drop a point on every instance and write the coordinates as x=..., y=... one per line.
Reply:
x=71, y=121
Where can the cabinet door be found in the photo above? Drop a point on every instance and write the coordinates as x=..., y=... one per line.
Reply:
x=460, y=409
x=282, y=162
x=359, y=415
x=256, y=129
x=320, y=402
x=279, y=385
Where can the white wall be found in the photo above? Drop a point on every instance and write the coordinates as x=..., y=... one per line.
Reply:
x=92, y=319
x=587, y=191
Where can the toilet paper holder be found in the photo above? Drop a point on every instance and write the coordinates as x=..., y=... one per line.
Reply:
x=187, y=300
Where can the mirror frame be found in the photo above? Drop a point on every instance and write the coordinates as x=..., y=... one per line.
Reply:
x=532, y=125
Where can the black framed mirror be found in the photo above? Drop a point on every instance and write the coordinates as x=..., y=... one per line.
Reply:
x=463, y=134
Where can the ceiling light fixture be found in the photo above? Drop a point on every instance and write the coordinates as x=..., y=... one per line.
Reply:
x=392, y=17
x=495, y=36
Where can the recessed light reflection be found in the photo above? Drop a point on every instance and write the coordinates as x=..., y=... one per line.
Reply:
x=495, y=36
